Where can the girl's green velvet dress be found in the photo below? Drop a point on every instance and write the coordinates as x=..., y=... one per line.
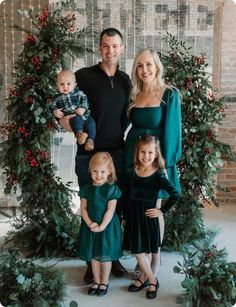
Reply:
x=141, y=233
x=163, y=121
x=105, y=245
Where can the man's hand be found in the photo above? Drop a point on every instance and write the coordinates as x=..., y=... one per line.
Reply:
x=64, y=122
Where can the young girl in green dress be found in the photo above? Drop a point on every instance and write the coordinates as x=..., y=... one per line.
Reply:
x=142, y=229
x=99, y=238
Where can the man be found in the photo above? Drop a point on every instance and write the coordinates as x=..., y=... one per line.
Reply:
x=107, y=89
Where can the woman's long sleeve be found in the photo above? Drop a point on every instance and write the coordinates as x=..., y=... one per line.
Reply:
x=172, y=136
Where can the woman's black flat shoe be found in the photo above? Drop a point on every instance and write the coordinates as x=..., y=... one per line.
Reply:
x=101, y=292
x=92, y=290
x=134, y=288
x=152, y=294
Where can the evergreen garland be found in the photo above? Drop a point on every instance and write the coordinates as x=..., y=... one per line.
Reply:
x=47, y=225
x=210, y=281
x=23, y=283
x=203, y=154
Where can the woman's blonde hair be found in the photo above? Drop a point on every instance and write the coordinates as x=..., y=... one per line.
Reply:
x=159, y=161
x=104, y=157
x=137, y=83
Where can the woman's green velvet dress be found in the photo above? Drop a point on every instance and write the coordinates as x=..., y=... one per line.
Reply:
x=163, y=121
x=104, y=245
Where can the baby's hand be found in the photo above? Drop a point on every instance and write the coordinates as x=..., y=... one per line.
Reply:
x=93, y=225
x=80, y=111
x=58, y=113
x=152, y=213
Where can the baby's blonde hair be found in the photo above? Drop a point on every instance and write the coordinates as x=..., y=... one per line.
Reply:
x=103, y=157
x=68, y=73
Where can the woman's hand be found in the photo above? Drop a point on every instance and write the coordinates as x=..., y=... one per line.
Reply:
x=153, y=213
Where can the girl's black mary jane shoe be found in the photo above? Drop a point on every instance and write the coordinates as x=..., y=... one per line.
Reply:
x=92, y=290
x=101, y=292
x=152, y=294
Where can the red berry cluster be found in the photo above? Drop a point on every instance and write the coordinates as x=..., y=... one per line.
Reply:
x=36, y=61
x=29, y=100
x=188, y=83
x=13, y=92
x=43, y=155
x=31, y=39
x=30, y=157
x=210, y=134
x=23, y=131
x=42, y=19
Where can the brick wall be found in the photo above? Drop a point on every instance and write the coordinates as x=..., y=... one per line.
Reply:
x=226, y=72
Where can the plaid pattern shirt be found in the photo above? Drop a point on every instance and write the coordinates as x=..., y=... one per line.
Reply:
x=70, y=102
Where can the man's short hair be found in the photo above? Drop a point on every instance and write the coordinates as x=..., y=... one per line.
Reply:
x=111, y=32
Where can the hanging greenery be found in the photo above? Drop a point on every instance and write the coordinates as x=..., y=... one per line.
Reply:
x=210, y=280
x=203, y=153
x=47, y=225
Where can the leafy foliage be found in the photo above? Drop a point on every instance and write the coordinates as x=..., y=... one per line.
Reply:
x=47, y=224
x=203, y=154
x=22, y=283
x=210, y=280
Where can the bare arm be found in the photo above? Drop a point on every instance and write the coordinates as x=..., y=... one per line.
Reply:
x=64, y=122
x=85, y=216
x=107, y=216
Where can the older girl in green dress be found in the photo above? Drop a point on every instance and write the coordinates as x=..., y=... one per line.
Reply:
x=142, y=230
x=155, y=109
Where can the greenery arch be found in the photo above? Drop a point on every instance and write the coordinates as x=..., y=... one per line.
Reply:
x=47, y=226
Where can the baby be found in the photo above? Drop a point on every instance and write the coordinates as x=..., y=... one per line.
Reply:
x=70, y=100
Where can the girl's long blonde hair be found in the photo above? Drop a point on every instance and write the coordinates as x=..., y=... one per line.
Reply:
x=104, y=157
x=159, y=161
x=137, y=83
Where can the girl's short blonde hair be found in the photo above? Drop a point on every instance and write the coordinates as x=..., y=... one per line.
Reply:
x=104, y=157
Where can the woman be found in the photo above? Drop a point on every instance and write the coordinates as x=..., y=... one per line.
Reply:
x=155, y=109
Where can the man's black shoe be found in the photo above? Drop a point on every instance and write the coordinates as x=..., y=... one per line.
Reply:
x=117, y=269
x=88, y=276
